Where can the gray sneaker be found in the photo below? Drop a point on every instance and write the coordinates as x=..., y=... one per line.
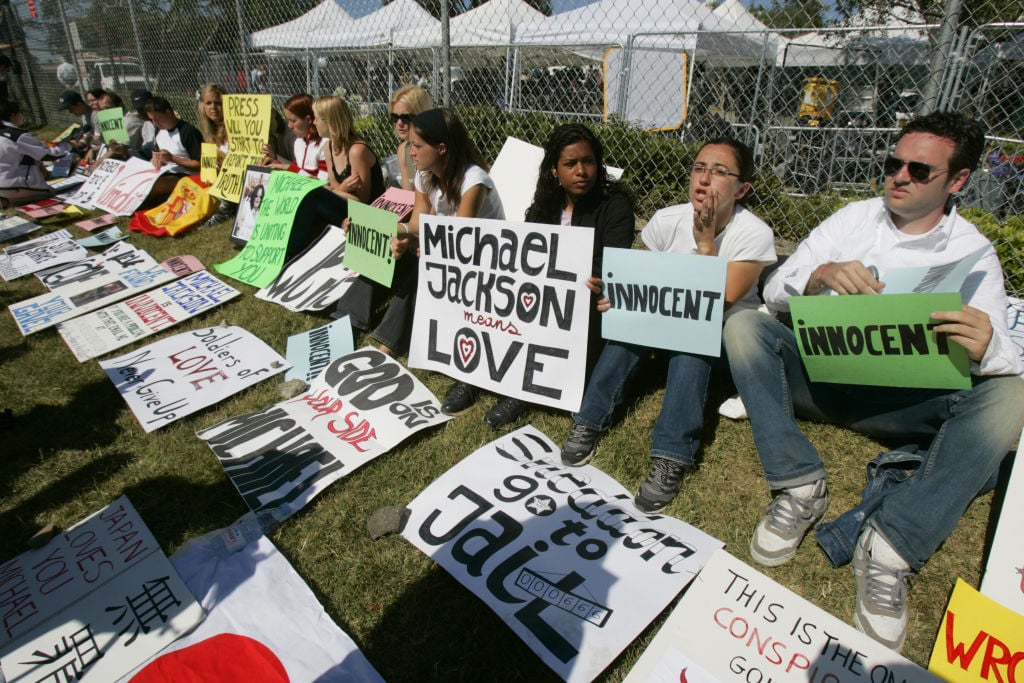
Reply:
x=882, y=575
x=661, y=485
x=578, y=449
x=786, y=520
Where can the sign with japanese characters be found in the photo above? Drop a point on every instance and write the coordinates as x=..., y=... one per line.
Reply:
x=736, y=624
x=93, y=603
x=362, y=405
x=1004, y=573
x=314, y=279
x=110, y=328
x=182, y=374
x=504, y=306
x=559, y=553
x=310, y=352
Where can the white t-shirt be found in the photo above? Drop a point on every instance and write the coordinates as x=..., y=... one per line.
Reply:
x=475, y=175
x=309, y=158
x=745, y=238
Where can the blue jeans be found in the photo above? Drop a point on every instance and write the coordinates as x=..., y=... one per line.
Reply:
x=961, y=436
x=676, y=434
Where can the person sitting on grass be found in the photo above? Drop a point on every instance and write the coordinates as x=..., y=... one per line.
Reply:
x=22, y=179
x=178, y=145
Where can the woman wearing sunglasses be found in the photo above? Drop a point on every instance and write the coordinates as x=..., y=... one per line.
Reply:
x=713, y=223
x=406, y=103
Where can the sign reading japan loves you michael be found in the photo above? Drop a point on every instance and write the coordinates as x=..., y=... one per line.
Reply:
x=504, y=305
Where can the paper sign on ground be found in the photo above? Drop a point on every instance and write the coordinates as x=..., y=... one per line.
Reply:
x=115, y=326
x=254, y=191
x=208, y=163
x=310, y=352
x=736, y=624
x=91, y=224
x=93, y=603
x=361, y=406
x=260, y=616
x=12, y=226
x=560, y=554
x=64, y=186
x=127, y=187
x=25, y=208
x=664, y=300
x=314, y=279
x=368, y=242
x=112, y=125
x=119, y=256
x=880, y=340
x=263, y=256
x=45, y=211
x=18, y=261
x=247, y=120
x=946, y=277
x=398, y=201
x=67, y=214
x=100, y=176
x=504, y=306
x=1004, y=572
x=180, y=375
x=978, y=639
x=102, y=239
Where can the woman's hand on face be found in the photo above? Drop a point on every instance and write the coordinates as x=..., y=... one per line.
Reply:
x=704, y=223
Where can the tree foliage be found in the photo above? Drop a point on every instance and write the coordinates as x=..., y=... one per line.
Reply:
x=802, y=14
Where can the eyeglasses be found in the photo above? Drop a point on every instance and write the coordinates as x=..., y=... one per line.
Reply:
x=404, y=118
x=716, y=171
x=919, y=171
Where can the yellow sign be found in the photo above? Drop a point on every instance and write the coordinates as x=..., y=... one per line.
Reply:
x=247, y=119
x=208, y=163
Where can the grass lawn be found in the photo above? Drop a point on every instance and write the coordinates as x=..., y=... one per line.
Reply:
x=71, y=445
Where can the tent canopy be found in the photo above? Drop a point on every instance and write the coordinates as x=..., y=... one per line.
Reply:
x=492, y=24
x=377, y=29
x=304, y=31
x=898, y=37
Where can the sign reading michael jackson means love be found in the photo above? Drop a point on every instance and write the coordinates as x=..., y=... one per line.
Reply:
x=368, y=243
x=504, y=306
x=559, y=553
x=314, y=279
x=362, y=405
x=93, y=603
x=664, y=300
x=734, y=624
x=879, y=340
x=118, y=325
x=183, y=374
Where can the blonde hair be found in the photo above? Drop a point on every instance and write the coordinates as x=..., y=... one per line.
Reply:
x=415, y=99
x=212, y=132
x=337, y=118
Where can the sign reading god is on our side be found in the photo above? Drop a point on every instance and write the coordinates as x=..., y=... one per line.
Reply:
x=880, y=340
x=504, y=306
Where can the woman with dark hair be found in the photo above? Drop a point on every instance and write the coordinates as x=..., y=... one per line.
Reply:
x=713, y=223
x=574, y=189
x=308, y=157
x=22, y=179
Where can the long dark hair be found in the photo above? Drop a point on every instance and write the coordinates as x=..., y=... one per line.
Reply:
x=437, y=126
x=549, y=197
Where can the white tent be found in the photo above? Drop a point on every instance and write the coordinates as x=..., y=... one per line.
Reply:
x=897, y=37
x=307, y=30
x=737, y=14
x=492, y=24
x=378, y=28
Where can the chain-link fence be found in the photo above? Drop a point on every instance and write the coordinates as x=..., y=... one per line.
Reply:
x=819, y=97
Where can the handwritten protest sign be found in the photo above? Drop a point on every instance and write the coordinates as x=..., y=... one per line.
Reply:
x=117, y=257
x=93, y=603
x=945, y=277
x=558, y=553
x=398, y=201
x=101, y=175
x=115, y=326
x=882, y=340
x=736, y=624
x=368, y=243
x=208, y=163
x=1004, y=572
x=310, y=352
x=362, y=405
x=664, y=300
x=91, y=224
x=12, y=226
x=112, y=125
x=504, y=306
x=40, y=253
x=263, y=256
x=127, y=187
x=247, y=120
x=66, y=214
x=1015, y=325
x=180, y=375
x=314, y=279
x=254, y=191
x=44, y=211
x=102, y=239
x=978, y=639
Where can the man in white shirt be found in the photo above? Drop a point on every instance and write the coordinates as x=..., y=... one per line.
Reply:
x=957, y=438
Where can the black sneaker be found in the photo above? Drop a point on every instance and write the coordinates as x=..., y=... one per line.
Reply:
x=505, y=412
x=578, y=449
x=661, y=485
x=459, y=398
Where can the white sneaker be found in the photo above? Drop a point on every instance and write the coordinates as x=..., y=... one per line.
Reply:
x=882, y=575
x=786, y=520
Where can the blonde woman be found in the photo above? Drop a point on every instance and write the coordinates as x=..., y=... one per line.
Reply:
x=210, y=118
x=406, y=103
x=352, y=167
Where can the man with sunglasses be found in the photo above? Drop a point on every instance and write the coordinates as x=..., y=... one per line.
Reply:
x=951, y=443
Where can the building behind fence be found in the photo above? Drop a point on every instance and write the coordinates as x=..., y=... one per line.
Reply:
x=820, y=107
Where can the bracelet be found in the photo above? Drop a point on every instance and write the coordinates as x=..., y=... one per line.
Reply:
x=405, y=227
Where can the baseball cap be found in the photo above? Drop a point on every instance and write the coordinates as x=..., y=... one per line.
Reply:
x=140, y=97
x=68, y=99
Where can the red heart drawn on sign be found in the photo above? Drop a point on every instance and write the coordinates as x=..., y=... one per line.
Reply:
x=467, y=349
x=528, y=300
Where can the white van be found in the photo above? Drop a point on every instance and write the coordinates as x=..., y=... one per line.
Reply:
x=119, y=76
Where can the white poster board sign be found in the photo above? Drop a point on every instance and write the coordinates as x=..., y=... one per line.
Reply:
x=314, y=279
x=14, y=226
x=310, y=352
x=559, y=553
x=361, y=406
x=127, y=187
x=100, y=176
x=38, y=254
x=504, y=306
x=118, y=257
x=1004, y=572
x=180, y=375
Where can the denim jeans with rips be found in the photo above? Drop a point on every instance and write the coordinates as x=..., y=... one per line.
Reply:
x=961, y=436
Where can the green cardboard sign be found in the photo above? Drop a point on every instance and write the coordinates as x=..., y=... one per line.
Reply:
x=112, y=125
x=368, y=242
x=263, y=256
x=879, y=340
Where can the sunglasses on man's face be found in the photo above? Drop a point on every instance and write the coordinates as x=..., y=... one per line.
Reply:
x=404, y=118
x=919, y=171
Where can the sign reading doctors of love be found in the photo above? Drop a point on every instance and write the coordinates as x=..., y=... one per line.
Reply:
x=664, y=300
x=183, y=374
x=736, y=624
x=879, y=340
x=504, y=306
x=559, y=553
x=362, y=405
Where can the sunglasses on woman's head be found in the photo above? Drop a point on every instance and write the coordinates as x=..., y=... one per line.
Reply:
x=919, y=171
x=404, y=118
